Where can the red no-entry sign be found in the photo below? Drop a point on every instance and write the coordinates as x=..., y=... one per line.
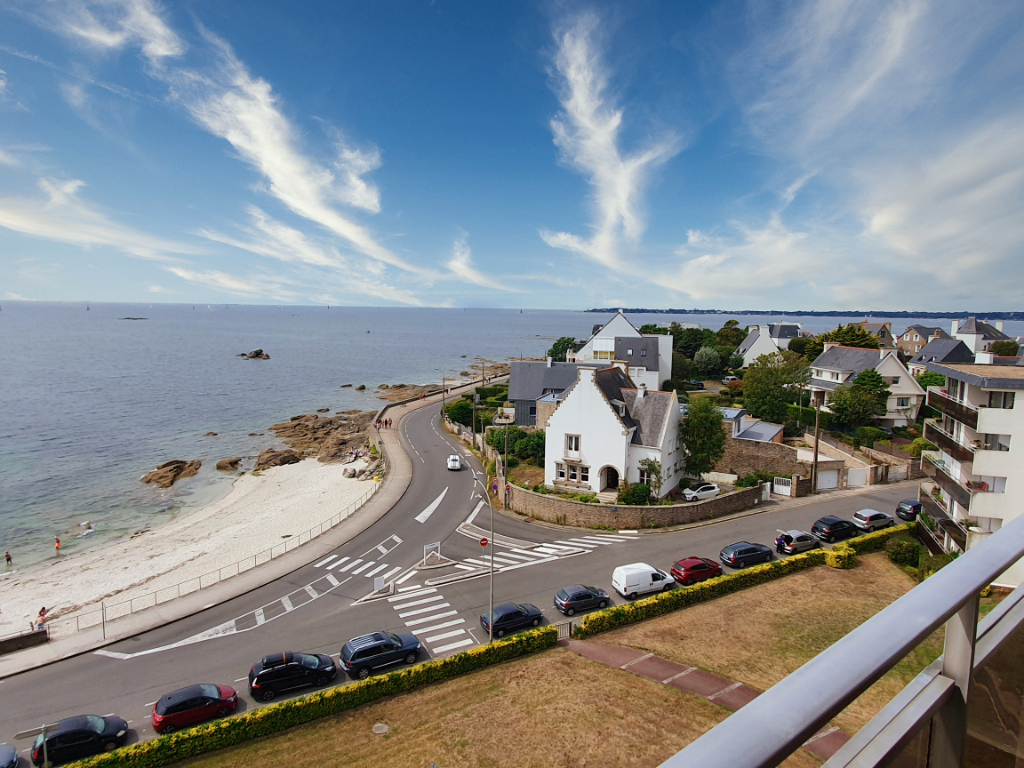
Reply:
x=483, y=542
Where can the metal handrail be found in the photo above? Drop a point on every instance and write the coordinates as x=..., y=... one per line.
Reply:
x=775, y=724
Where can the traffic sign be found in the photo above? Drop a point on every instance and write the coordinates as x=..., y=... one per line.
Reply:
x=483, y=542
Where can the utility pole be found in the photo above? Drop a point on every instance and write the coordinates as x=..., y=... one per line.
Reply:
x=490, y=601
x=817, y=433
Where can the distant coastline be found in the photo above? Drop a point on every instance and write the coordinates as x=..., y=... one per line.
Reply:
x=812, y=313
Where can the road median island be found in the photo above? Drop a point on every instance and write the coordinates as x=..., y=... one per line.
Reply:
x=275, y=718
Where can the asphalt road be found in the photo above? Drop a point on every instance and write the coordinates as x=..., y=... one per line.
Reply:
x=315, y=607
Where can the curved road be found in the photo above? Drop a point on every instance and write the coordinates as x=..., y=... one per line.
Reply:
x=315, y=608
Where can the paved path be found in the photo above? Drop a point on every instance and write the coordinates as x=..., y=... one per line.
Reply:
x=726, y=693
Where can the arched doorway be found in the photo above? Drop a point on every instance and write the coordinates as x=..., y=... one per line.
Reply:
x=611, y=477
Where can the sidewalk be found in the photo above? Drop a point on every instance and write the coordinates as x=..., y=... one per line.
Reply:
x=393, y=486
x=721, y=691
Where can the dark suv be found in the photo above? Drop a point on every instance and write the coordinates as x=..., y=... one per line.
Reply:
x=908, y=509
x=77, y=737
x=830, y=528
x=285, y=671
x=361, y=655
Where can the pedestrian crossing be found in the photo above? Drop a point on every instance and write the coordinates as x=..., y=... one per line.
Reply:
x=427, y=614
x=510, y=557
x=357, y=567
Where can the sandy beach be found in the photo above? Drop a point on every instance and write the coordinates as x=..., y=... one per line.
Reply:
x=260, y=512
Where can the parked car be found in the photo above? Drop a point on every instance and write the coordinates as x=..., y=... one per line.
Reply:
x=794, y=542
x=701, y=492
x=690, y=570
x=908, y=509
x=638, y=579
x=696, y=383
x=509, y=617
x=287, y=671
x=187, y=706
x=361, y=655
x=872, y=519
x=729, y=379
x=454, y=462
x=743, y=553
x=76, y=738
x=8, y=756
x=580, y=598
x=831, y=528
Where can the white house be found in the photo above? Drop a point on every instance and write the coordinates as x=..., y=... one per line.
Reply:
x=838, y=365
x=603, y=426
x=768, y=339
x=648, y=357
x=978, y=336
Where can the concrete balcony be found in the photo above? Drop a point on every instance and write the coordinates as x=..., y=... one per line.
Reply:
x=936, y=509
x=946, y=482
x=962, y=412
x=936, y=434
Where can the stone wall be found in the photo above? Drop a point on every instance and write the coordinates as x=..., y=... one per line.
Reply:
x=27, y=640
x=914, y=471
x=554, y=509
x=745, y=457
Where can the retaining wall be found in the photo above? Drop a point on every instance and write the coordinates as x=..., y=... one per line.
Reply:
x=26, y=640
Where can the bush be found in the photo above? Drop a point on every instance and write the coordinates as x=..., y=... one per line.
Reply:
x=806, y=416
x=636, y=494
x=870, y=435
x=929, y=564
x=874, y=542
x=749, y=481
x=287, y=714
x=903, y=551
x=921, y=444
x=513, y=462
x=840, y=556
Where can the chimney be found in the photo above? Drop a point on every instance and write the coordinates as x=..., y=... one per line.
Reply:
x=641, y=391
x=882, y=353
x=998, y=325
x=983, y=358
x=830, y=344
x=549, y=362
x=584, y=373
x=956, y=327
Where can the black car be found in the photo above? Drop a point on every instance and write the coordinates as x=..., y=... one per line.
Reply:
x=76, y=738
x=743, y=553
x=362, y=655
x=285, y=671
x=830, y=528
x=8, y=756
x=908, y=509
x=512, y=616
x=580, y=598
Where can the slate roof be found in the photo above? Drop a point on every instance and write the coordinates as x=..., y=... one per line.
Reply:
x=784, y=331
x=624, y=344
x=975, y=326
x=762, y=431
x=648, y=413
x=988, y=376
x=943, y=351
x=530, y=380
x=748, y=342
x=926, y=332
x=610, y=382
x=852, y=359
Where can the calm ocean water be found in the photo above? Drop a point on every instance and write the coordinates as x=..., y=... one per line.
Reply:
x=90, y=402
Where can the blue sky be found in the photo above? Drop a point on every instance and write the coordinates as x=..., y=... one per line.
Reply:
x=797, y=155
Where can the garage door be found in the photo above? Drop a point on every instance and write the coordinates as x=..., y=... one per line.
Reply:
x=828, y=479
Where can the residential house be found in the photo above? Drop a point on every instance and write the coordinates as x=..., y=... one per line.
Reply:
x=882, y=330
x=939, y=351
x=604, y=426
x=768, y=339
x=978, y=335
x=914, y=337
x=977, y=474
x=529, y=381
x=838, y=365
x=648, y=356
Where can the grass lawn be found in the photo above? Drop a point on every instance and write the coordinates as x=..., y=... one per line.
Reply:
x=551, y=709
x=527, y=473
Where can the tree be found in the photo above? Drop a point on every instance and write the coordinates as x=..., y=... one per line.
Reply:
x=531, y=446
x=730, y=334
x=682, y=367
x=702, y=436
x=853, y=406
x=1005, y=348
x=650, y=328
x=930, y=379
x=872, y=381
x=686, y=341
x=707, y=361
x=461, y=412
x=653, y=467
x=496, y=438
x=560, y=347
x=847, y=335
x=766, y=383
x=799, y=344
x=735, y=361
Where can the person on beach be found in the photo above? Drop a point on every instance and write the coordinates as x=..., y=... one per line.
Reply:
x=10, y=560
x=56, y=544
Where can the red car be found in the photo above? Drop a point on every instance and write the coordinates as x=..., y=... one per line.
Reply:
x=188, y=706
x=690, y=570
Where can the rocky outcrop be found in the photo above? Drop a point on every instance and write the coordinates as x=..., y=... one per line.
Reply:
x=360, y=388
x=256, y=354
x=344, y=386
x=269, y=459
x=170, y=472
x=210, y=434
x=229, y=465
x=330, y=438
x=323, y=410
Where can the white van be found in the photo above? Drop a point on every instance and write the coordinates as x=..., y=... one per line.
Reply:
x=638, y=579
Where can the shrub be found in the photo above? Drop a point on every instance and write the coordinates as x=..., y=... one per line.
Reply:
x=873, y=542
x=903, y=551
x=636, y=494
x=929, y=564
x=921, y=444
x=840, y=556
x=513, y=462
x=870, y=435
x=806, y=416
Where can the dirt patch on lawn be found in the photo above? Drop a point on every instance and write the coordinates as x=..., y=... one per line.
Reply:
x=551, y=709
x=760, y=635
x=527, y=473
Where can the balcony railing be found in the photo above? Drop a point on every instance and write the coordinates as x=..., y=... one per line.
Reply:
x=938, y=720
x=944, y=524
x=948, y=443
x=946, y=482
x=962, y=412
x=570, y=455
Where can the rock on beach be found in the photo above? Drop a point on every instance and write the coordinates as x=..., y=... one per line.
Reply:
x=329, y=438
x=169, y=472
x=269, y=459
x=256, y=354
x=229, y=465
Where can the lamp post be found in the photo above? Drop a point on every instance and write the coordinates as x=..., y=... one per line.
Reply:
x=40, y=731
x=490, y=600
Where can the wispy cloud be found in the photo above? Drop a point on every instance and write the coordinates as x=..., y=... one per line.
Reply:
x=258, y=286
x=461, y=265
x=157, y=289
x=587, y=132
x=61, y=215
x=269, y=237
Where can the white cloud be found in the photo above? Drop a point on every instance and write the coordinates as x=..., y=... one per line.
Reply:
x=63, y=216
x=461, y=265
x=269, y=237
x=114, y=24
x=157, y=289
x=3, y=84
x=257, y=286
x=587, y=134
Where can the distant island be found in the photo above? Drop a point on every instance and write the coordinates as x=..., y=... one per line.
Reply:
x=812, y=313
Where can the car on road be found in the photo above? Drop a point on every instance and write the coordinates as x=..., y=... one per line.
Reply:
x=743, y=553
x=701, y=492
x=8, y=756
x=580, y=598
x=690, y=570
x=831, y=528
x=509, y=617
x=454, y=462
x=794, y=542
x=729, y=379
x=289, y=670
x=76, y=738
x=872, y=520
x=639, y=579
x=361, y=655
x=193, y=704
x=696, y=383
x=908, y=509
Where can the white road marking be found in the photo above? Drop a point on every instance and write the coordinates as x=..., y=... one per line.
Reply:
x=517, y=557
x=438, y=626
x=594, y=538
x=286, y=603
x=391, y=573
x=378, y=569
x=333, y=581
x=414, y=622
x=548, y=550
x=426, y=513
x=668, y=680
x=405, y=578
x=587, y=544
x=472, y=517
x=427, y=591
x=459, y=644
x=325, y=561
x=462, y=567
x=524, y=552
x=474, y=561
x=353, y=564
x=312, y=592
x=445, y=636
x=424, y=601
x=241, y=679
x=340, y=562
x=612, y=537
x=382, y=549
x=428, y=609
x=259, y=616
x=629, y=532
x=362, y=568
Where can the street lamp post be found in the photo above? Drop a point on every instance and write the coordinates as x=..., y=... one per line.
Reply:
x=490, y=600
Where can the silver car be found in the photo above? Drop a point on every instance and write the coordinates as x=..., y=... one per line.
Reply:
x=872, y=520
x=793, y=542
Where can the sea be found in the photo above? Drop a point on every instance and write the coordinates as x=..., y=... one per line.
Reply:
x=94, y=396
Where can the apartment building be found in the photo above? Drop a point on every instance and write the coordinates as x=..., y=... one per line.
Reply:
x=977, y=474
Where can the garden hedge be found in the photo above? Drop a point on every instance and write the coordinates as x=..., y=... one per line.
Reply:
x=875, y=542
x=274, y=718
